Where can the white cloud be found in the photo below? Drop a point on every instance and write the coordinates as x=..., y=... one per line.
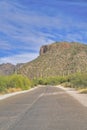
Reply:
x=21, y=58
x=22, y=24
x=5, y=45
x=24, y=30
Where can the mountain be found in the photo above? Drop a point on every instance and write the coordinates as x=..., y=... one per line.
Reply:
x=8, y=68
x=60, y=58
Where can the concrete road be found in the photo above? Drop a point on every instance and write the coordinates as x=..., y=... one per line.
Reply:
x=45, y=108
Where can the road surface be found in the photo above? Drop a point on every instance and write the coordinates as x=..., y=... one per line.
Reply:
x=45, y=108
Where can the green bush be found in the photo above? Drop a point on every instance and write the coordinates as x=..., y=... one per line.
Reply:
x=14, y=81
x=3, y=83
x=35, y=82
x=77, y=80
x=19, y=81
x=50, y=80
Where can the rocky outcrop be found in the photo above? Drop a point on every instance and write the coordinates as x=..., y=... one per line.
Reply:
x=53, y=47
x=44, y=49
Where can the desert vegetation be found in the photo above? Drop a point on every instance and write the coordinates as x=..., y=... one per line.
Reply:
x=77, y=81
x=14, y=83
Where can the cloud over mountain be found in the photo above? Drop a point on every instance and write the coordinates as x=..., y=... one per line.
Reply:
x=26, y=25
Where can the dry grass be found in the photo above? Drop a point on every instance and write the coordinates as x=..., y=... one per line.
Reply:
x=83, y=91
x=11, y=90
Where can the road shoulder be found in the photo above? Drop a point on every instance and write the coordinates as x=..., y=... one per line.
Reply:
x=2, y=97
x=82, y=98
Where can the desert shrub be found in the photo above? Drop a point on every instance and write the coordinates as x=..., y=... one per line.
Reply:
x=3, y=83
x=50, y=80
x=68, y=84
x=34, y=82
x=79, y=80
x=74, y=81
x=19, y=81
x=14, y=81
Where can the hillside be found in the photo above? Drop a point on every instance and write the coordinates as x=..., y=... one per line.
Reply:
x=60, y=58
x=8, y=68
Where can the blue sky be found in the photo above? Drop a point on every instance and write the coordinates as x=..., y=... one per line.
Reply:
x=26, y=25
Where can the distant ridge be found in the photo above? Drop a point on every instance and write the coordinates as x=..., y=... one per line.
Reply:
x=8, y=68
x=60, y=58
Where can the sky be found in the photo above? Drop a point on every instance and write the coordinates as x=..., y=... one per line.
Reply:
x=26, y=25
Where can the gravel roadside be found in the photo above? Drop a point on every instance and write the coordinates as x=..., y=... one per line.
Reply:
x=15, y=93
x=82, y=98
